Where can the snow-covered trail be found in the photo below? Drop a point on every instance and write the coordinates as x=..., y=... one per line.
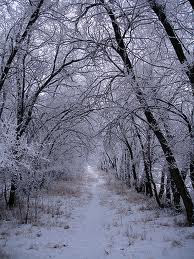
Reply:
x=89, y=241
x=108, y=225
x=111, y=227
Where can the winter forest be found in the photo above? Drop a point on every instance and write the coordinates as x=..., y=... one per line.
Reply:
x=96, y=129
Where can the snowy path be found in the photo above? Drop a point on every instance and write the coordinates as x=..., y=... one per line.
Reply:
x=108, y=225
x=90, y=239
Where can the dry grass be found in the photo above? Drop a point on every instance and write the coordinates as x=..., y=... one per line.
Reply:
x=180, y=222
x=132, y=235
x=54, y=209
x=148, y=218
x=130, y=195
x=116, y=186
x=148, y=205
x=123, y=211
x=65, y=188
x=45, y=201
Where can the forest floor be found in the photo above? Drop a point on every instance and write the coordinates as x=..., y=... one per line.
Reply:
x=105, y=221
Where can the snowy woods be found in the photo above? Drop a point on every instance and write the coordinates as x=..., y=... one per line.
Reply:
x=106, y=77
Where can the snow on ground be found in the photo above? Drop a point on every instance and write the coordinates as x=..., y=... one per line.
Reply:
x=108, y=221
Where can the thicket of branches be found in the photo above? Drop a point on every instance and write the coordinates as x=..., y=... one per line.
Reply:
x=121, y=69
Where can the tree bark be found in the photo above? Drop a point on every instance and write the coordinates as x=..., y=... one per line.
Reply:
x=168, y=192
x=132, y=162
x=176, y=196
x=147, y=182
x=12, y=195
x=161, y=192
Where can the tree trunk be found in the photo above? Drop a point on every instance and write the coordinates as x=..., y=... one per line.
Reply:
x=127, y=168
x=176, y=196
x=132, y=162
x=12, y=195
x=168, y=188
x=147, y=182
x=161, y=192
x=192, y=147
x=156, y=193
